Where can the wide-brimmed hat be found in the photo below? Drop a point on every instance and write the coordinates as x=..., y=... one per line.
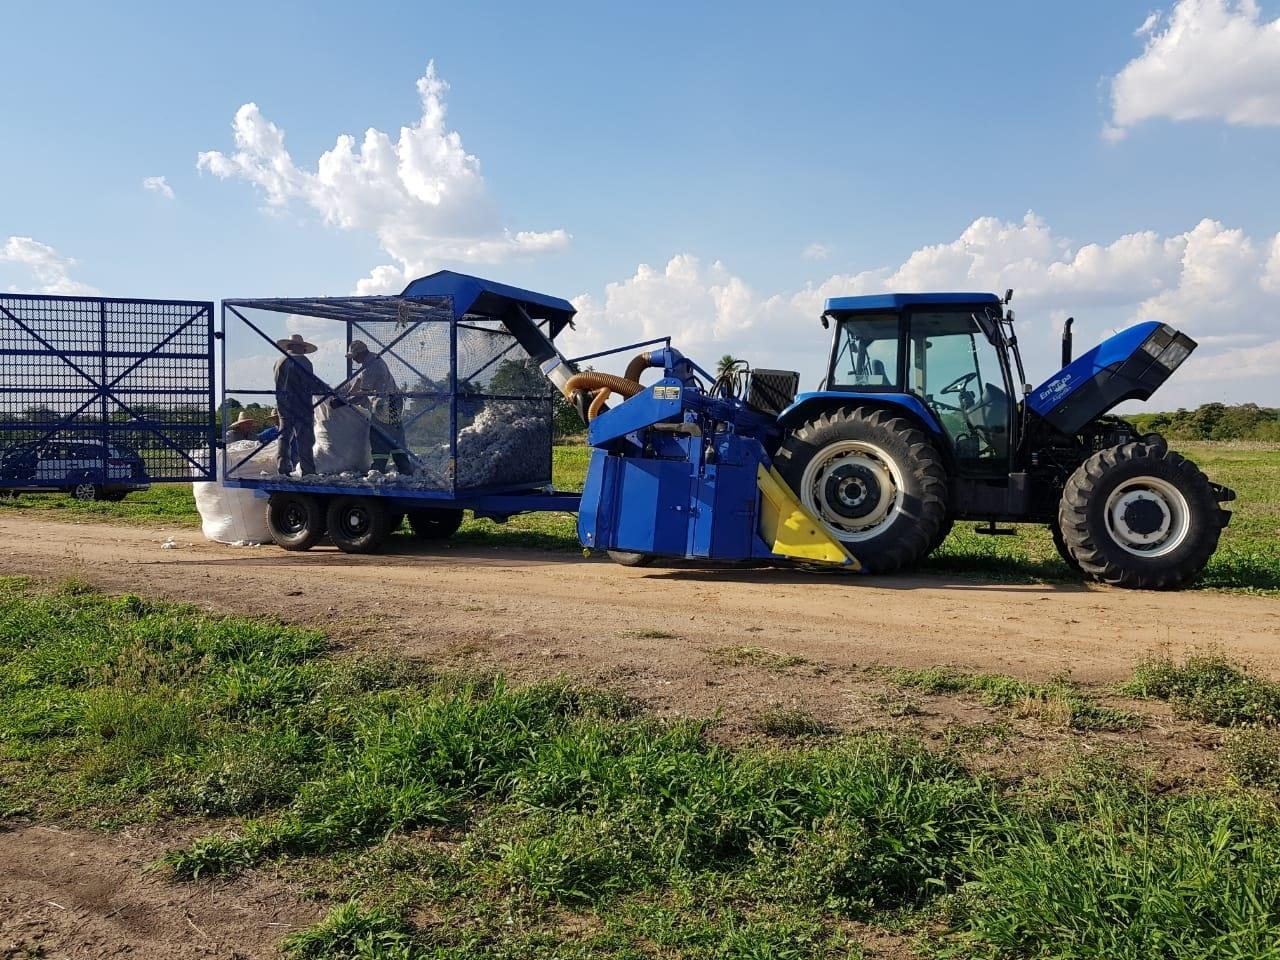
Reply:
x=358, y=348
x=244, y=421
x=296, y=343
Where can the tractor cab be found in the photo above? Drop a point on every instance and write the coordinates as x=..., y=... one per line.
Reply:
x=951, y=352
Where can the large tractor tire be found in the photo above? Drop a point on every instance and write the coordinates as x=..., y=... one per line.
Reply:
x=1064, y=551
x=874, y=481
x=1140, y=516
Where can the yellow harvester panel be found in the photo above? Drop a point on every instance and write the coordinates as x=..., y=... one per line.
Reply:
x=790, y=530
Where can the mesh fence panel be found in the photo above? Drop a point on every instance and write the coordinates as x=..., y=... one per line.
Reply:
x=103, y=391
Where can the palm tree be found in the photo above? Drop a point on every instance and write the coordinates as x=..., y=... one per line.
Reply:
x=725, y=365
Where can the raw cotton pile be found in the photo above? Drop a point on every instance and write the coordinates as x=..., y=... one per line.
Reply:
x=501, y=447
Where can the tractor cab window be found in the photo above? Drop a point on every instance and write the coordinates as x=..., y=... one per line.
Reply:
x=957, y=371
x=866, y=354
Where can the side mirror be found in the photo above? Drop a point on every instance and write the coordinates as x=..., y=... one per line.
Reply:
x=826, y=322
x=1008, y=295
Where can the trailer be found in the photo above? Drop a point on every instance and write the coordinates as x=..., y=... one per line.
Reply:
x=469, y=425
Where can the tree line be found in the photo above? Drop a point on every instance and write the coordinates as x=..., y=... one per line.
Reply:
x=1213, y=421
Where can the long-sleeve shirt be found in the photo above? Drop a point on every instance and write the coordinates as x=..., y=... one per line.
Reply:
x=374, y=381
x=297, y=387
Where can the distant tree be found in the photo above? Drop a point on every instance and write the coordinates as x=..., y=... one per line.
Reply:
x=725, y=364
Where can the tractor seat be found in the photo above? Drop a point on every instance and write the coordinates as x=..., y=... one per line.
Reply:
x=992, y=412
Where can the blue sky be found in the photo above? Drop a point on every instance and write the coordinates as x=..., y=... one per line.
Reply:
x=732, y=137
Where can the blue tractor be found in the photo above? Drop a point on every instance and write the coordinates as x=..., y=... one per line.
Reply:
x=924, y=419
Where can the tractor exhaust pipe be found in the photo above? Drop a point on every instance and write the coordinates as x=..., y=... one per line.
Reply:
x=1066, y=340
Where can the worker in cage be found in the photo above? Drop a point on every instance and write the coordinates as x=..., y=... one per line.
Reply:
x=374, y=389
x=297, y=390
x=245, y=428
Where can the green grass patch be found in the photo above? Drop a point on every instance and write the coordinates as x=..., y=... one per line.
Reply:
x=461, y=817
x=1209, y=688
x=792, y=723
x=746, y=655
x=1058, y=702
x=1252, y=756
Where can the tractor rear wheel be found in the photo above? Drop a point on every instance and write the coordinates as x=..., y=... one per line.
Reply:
x=1140, y=516
x=1060, y=544
x=874, y=481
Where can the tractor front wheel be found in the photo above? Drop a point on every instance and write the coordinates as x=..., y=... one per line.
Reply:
x=1140, y=516
x=874, y=481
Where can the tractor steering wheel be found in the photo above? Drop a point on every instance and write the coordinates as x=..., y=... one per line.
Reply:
x=958, y=384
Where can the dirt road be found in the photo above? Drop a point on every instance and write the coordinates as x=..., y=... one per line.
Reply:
x=657, y=629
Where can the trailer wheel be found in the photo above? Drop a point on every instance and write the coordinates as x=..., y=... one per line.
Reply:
x=1140, y=516
x=629, y=558
x=357, y=524
x=874, y=481
x=435, y=523
x=295, y=520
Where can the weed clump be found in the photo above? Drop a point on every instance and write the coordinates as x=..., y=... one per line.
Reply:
x=1252, y=756
x=1209, y=688
x=1058, y=702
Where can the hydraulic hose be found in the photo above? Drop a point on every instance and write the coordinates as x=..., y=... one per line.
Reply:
x=601, y=385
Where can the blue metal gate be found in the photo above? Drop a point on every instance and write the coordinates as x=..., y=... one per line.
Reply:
x=101, y=396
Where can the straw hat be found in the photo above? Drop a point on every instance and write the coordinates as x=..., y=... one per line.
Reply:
x=296, y=344
x=244, y=421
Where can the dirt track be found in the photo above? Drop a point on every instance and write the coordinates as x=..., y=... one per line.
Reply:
x=537, y=613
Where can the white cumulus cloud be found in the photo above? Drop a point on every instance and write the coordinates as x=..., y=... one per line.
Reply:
x=1210, y=59
x=421, y=194
x=44, y=270
x=1218, y=284
x=816, y=251
x=158, y=185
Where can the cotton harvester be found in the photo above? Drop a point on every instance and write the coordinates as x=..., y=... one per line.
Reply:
x=924, y=419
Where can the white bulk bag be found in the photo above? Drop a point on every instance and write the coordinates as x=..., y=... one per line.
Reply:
x=342, y=439
x=233, y=514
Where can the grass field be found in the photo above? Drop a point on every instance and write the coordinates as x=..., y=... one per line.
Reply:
x=446, y=816
x=1248, y=558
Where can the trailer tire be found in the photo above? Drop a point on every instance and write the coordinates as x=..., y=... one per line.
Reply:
x=873, y=480
x=357, y=524
x=435, y=523
x=630, y=558
x=295, y=520
x=1140, y=516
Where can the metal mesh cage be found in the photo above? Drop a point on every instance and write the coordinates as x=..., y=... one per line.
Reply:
x=104, y=392
x=466, y=409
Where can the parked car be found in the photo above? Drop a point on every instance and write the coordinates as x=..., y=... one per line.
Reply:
x=86, y=469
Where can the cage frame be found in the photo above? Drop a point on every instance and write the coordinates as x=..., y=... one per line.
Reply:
x=354, y=313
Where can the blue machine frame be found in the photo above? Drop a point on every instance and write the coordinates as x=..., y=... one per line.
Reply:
x=106, y=373
x=460, y=301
